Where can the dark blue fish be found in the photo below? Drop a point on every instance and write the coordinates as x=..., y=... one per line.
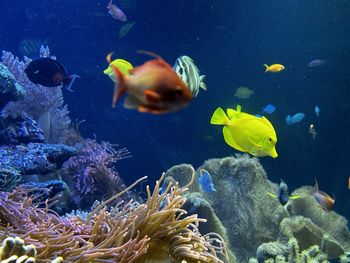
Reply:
x=205, y=182
x=282, y=194
x=49, y=73
x=269, y=109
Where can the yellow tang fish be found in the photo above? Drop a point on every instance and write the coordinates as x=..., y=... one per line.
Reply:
x=274, y=68
x=246, y=133
x=123, y=65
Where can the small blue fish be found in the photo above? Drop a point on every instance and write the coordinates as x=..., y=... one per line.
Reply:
x=282, y=194
x=269, y=109
x=317, y=111
x=205, y=182
x=298, y=117
x=316, y=63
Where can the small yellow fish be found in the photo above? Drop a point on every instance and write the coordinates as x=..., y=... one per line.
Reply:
x=274, y=68
x=246, y=133
x=123, y=65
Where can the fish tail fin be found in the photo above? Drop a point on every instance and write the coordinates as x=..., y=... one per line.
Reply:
x=219, y=117
x=202, y=84
x=272, y=195
x=68, y=82
x=119, y=87
x=266, y=67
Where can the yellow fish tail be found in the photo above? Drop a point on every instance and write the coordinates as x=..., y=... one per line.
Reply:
x=266, y=67
x=219, y=117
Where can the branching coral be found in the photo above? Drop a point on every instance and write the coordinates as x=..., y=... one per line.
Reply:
x=157, y=231
x=93, y=174
x=43, y=104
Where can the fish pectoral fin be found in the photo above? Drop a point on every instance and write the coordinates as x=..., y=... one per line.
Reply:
x=272, y=195
x=152, y=96
x=143, y=108
x=131, y=102
x=230, y=140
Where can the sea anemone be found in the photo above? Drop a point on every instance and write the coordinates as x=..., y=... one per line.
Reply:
x=157, y=231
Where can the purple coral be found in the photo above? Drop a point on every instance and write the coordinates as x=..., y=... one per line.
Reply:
x=41, y=103
x=93, y=174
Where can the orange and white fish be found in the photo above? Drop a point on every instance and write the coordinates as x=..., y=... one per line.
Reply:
x=153, y=87
x=274, y=68
x=324, y=200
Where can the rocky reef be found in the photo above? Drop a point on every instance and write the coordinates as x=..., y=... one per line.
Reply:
x=254, y=224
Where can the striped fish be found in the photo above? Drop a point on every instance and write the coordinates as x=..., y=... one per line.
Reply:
x=189, y=73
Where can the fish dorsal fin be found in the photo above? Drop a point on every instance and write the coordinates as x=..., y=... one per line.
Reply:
x=238, y=108
x=267, y=122
x=230, y=140
x=158, y=59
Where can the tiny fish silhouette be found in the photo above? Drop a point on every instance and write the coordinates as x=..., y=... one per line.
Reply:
x=316, y=63
x=269, y=109
x=116, y=12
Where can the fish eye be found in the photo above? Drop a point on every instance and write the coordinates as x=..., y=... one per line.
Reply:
x=178, y=91
x=270, y=139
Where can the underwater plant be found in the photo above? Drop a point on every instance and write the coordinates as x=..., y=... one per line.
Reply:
x=156, y=231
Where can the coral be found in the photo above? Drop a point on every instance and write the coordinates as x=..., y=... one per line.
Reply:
x=252, y=220
x=157, y=231
x=9, y=179
x=34, y=158
x=14, y=250
x=292, y=254
x=241, y=202
x=303, y=234
x=9, y=89
x=43, y=104
x=91, y=171
x=330, y=222
x=19, y=129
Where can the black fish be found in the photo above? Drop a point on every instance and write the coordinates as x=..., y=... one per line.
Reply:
x=49, y=73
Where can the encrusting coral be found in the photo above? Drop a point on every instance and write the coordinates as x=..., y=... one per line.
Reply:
x=156, y=231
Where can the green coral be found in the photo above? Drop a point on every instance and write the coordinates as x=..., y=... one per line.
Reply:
x=13, y=250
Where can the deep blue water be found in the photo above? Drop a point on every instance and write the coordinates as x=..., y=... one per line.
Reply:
x=229, y=41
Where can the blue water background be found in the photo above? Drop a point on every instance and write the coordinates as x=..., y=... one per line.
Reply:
x=229, y=41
